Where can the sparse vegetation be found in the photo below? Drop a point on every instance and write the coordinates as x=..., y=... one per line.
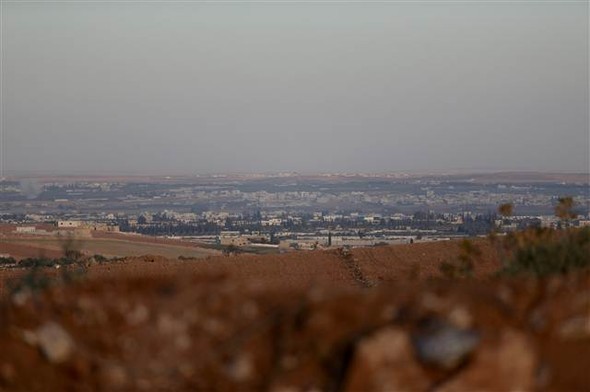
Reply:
x=544, y=251
x=100, y=259
x=7, y=260
x=536, y=251
x=564, y=209
x=463, y=267
x=231, y=250
x=39, y=262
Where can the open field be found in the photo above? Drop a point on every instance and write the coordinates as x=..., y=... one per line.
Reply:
x=108, y=247
x=299, y=270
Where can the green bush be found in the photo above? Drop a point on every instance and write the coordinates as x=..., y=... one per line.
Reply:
x=7, y=260
x=542, y=251
x=535, y=251
x=37, y=262
x=100, y=259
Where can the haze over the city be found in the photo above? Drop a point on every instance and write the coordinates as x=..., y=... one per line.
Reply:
x=178, y=87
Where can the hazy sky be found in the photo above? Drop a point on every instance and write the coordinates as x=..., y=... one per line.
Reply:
x=198, y=87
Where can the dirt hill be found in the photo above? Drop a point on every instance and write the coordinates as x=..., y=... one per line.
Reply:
x=366, y=320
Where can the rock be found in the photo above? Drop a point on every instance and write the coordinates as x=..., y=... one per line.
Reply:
x=55, y=343
x=114, y=376
x=241, y=368
x=168, y=325
x=21, y=297
x=509, y=365
x=575, y=328
x=29, y=337
x=460, y=317
x=214, y=327
x=444, y=345
x=385, y=362
x=139, y=315
x=182, y=341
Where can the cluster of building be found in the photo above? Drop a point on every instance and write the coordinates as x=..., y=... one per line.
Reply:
x=64, y=228
x=289, y=211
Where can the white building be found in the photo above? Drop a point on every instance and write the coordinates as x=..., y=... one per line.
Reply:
x=25, y=229
x=68, y=223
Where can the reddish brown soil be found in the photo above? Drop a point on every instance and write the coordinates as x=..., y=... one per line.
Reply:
x=143, y=239
x=380, y=265
x=394, y=263
x=18, y=251
x=300, y=321
x=20, y=246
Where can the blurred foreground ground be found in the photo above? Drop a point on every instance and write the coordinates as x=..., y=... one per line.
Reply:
x=378, y=319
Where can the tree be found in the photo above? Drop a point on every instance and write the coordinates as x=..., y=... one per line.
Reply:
x=564, y=208
x=506, y=209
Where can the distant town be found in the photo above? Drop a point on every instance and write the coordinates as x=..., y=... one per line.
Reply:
x=289, y=211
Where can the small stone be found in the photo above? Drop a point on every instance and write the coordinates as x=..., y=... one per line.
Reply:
x=29, y=337
x=241, y=368
x=575, y=328
x=167, y=325
x=460, y=318
x=444, y=345
x=55, y=343
x=182, y=342
x=21, y=297
x=214, y=327
x=139, y=315
x=114, y=376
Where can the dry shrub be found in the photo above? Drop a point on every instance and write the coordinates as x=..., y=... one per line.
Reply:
x=463, y=267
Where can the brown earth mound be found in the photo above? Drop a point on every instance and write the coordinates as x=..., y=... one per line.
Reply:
x=330, y=268
x=361, y=320
x=211, y=333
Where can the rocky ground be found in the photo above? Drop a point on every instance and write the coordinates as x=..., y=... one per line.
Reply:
x=229, y=329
